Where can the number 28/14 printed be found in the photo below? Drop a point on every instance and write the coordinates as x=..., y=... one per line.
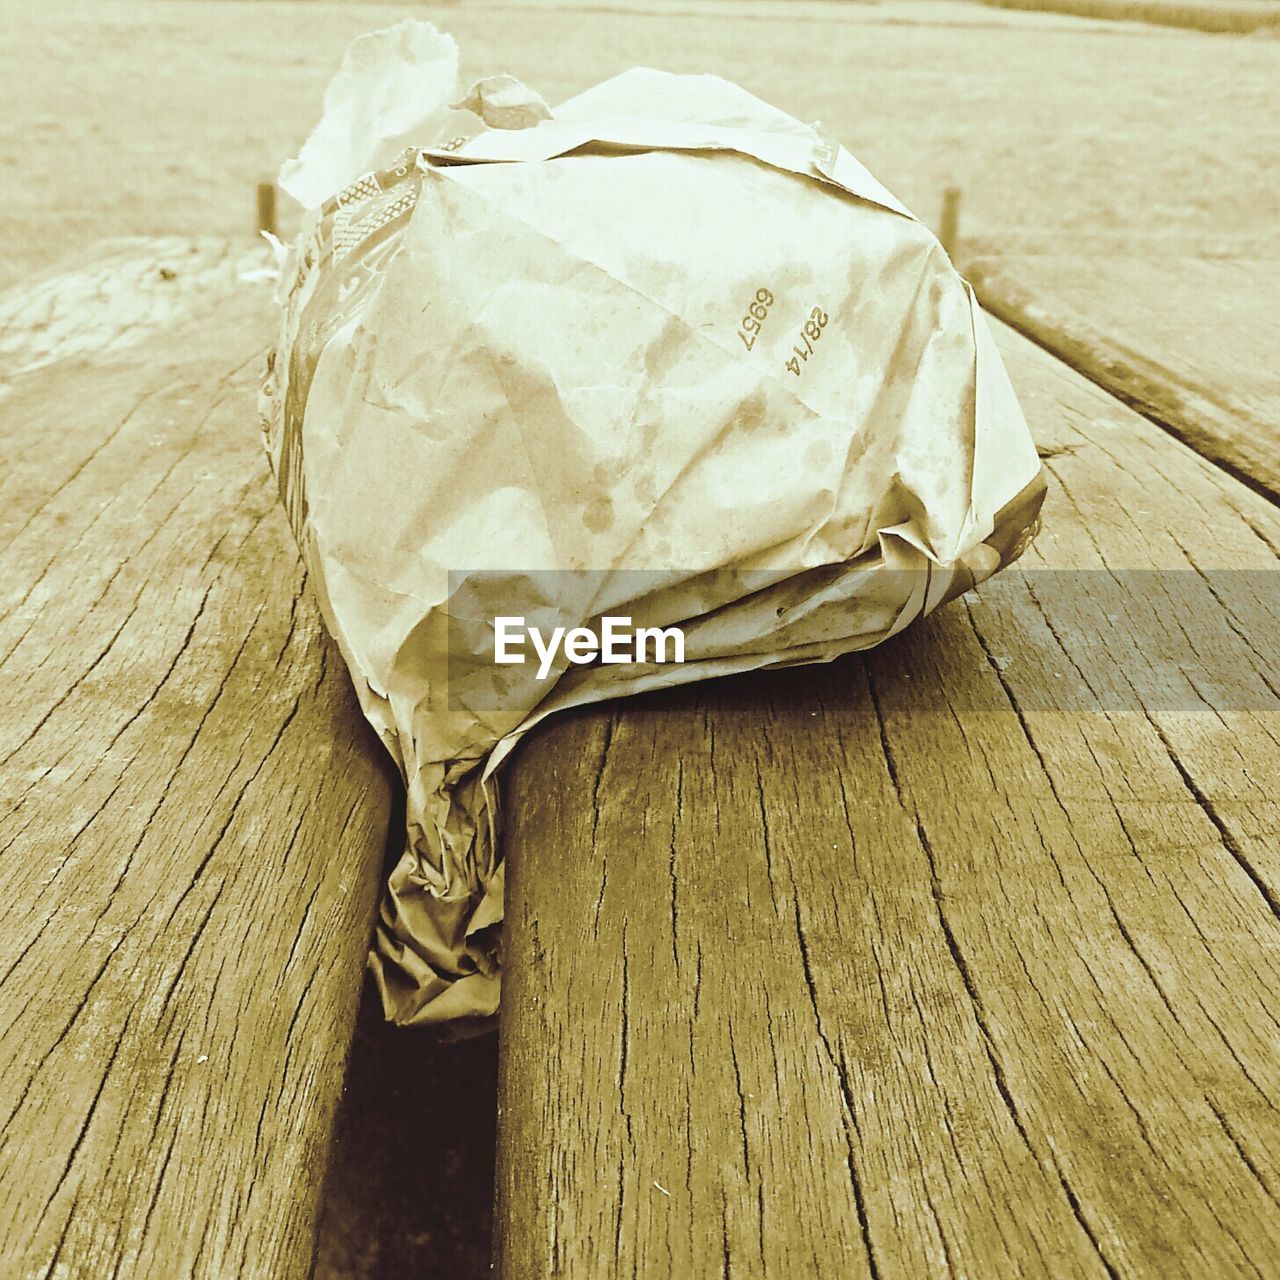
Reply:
x=809, y=333
x=751, y=324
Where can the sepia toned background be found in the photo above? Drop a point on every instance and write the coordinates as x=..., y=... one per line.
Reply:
x=1065, y=134
x=1115, y=141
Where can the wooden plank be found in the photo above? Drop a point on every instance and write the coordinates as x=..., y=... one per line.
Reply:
x=960, y=957
x=194, y=814
x=1220, y=16
x=1190, y=342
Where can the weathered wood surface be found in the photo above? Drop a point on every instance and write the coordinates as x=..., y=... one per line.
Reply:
x=1190, y=342
x=1221, y=16
x=958, y=958
x=194, y=815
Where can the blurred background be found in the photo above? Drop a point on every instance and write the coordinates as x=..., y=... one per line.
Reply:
x=1082, y=134
x=1065, y=133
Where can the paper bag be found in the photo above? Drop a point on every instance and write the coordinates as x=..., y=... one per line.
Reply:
x=664, y=354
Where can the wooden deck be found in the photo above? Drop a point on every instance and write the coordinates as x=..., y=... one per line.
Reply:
x=1188, y=342
x=960, y=957
x=957, y=958
x=194, y=813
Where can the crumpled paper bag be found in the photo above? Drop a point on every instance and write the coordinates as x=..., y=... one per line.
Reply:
x=532, y=371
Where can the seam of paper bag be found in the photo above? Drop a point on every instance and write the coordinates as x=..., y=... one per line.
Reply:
x=448, y=159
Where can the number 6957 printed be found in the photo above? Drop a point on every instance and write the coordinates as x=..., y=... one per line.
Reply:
x=755, y=317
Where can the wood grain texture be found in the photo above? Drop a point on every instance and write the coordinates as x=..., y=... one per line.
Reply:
x=1200, y=15
x=1190, y=342
x=957, y=958
x=194, y=815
